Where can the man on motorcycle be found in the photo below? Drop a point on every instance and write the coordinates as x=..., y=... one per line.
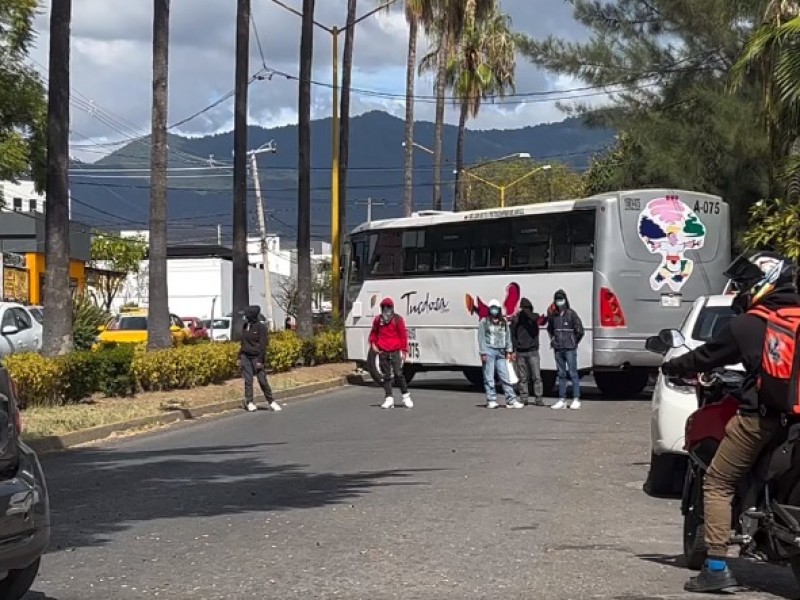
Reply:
x=766, y=279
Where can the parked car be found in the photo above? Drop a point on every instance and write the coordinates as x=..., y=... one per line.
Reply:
x=130, y=327
x=19, y=330
x=219, y=329
x=24, y=503
x=673, y=403
x=197, y=329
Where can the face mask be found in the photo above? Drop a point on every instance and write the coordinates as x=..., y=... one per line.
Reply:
x=387, y=313
x=561, y=303
x=495, y=312
x=527, y=311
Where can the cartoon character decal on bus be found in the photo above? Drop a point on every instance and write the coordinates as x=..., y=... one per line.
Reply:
x=476, y=306
x=670, y=228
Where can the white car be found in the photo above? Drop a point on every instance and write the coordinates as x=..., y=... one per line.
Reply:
x=672, y=404
x=219, y=329
x=19, y=330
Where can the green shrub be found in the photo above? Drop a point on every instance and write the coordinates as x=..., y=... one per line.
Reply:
x=80, y=373
x=116, y=367
x=186, y=366
x=329, y=346
x=38, y=379
x=86, y=318
x=285, y=351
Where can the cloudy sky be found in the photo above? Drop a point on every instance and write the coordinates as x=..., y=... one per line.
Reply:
x=111, y=66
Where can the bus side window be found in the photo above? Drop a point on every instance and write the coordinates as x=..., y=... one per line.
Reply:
x=386, y=256
x=573, y=239
x=416, y=257
x=491, y=244
x=531, y=242
x=450, y=244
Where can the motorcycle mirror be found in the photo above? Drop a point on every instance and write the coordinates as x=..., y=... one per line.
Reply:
x=656, y=345
x=672, y=338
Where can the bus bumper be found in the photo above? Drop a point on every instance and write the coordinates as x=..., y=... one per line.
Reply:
x=620, y=353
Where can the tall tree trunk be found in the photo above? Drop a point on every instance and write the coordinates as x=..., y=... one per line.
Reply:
x=344, y=111
x=304, y=283
x=441, y=88
x=241, y=263
x=411, y=77
x=57, y=337
x=158, y=325
x=462, y=127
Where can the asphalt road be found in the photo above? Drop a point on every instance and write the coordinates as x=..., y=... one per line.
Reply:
x=335, y=498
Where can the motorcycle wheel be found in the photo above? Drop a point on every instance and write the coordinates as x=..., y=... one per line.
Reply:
x=694, y=545
x=794, y=500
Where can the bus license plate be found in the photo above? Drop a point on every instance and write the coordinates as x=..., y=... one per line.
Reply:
x=671, y=301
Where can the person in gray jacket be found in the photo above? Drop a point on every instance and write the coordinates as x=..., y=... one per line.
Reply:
x=494, y=343
x=566, y=332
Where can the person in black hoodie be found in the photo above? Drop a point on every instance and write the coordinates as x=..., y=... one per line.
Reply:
x=525, y=339
x=766, y=280
x=566, y=332
x=253, y=358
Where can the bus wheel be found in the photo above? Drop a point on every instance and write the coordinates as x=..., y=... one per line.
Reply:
x=622, y=384
x=475, y=376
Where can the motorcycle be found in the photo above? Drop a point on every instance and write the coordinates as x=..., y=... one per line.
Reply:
x=766, y=507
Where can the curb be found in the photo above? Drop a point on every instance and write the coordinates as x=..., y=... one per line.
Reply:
x=57, y=443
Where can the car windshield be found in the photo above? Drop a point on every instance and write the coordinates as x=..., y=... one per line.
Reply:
x=37, y=314
x=710, y=321
x=218, y=323
x=129, y=324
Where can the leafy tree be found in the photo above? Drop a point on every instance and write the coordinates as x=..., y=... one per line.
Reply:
x=775, y=225
x=542, y=185
x=666, y=65
x=322, y=286
x=117, y=257
x=23, y=108
x=86, y=318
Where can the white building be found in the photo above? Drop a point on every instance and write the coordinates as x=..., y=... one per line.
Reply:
x=280, y=261
x=23, y=197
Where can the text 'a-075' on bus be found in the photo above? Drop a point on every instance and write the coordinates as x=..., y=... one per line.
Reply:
x=631, y=262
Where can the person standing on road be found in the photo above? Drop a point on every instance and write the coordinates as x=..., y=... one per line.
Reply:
x=389, y=339
x=253, y=358
x=494, y=343
x=525, y=340
x=566, y=332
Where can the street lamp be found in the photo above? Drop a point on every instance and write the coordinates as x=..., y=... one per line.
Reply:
x=503, y=188
x=335, y=198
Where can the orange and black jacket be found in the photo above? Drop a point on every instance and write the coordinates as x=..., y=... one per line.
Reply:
x=741, y=341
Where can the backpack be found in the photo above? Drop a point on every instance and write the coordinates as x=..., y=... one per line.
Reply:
x=779, y=373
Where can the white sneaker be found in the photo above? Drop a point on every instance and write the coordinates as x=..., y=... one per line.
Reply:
x=275, y=406
x=576, y=404
x=491, y=404
x=559, y=405
x=515, y=404
x=250, y=407
x=389, y=403
x=407, y=402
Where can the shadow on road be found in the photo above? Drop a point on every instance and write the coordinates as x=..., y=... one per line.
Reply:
x=98, y=492
x=756, y=577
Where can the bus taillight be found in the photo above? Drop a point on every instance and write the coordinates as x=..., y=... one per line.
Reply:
x=611, y=314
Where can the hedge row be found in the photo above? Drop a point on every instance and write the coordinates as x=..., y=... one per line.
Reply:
x=126, y=369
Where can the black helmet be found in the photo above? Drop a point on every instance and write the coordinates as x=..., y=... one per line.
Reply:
x=758, y=276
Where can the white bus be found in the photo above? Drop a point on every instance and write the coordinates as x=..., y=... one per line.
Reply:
x=631, y=263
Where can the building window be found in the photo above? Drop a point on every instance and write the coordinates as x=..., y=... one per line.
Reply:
x=17, y=204
x=32, y=205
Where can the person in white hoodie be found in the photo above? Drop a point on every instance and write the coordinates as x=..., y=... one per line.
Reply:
x=494, y=343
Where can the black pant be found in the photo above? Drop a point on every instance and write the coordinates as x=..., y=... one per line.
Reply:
x=248, y=364
x=392, y=361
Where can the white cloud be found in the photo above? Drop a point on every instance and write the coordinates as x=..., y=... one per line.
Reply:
x=111, y=65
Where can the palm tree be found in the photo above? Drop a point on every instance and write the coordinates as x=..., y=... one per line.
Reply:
x=773, y=54
x=484, y=64
x=57, y=338
x=304, y=280
x=158, y=324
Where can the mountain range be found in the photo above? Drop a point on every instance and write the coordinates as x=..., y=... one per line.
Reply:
x=114, y=191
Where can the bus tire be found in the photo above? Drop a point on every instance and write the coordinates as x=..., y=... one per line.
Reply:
x=474, y=375
x=409, y=370
x=618, y=385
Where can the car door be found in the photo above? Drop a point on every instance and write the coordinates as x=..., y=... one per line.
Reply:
x=9, y=332
x=29, y=334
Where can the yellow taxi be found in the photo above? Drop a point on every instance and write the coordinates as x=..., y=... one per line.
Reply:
x=130, y=327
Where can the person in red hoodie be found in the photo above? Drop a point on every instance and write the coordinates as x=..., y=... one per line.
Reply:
x=389, y=339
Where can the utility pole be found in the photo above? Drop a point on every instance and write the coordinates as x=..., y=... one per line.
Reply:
x=219, y=235
x=369, y=203
x=241, y=284
x=262, y=223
